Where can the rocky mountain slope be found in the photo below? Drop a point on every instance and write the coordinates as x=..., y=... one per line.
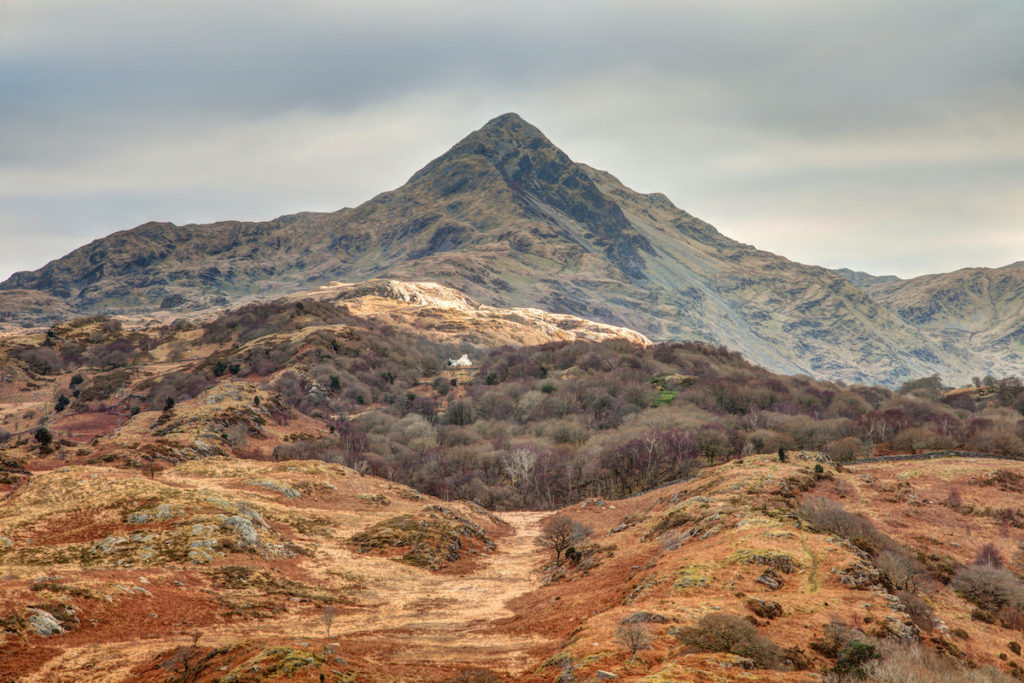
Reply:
x=445, y=314
x=509, y=219
x=978, y=309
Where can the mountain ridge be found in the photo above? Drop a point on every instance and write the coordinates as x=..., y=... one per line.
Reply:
x=510, y=220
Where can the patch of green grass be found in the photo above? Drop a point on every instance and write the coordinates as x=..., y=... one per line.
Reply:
x=694, y=576
x=664, y=397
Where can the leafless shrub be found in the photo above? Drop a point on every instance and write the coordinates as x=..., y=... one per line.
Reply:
x=42, y=360
x=989, y=555
x=1010, y=617
x=327, y=616
x=475, y=676
x=919, y=611
x=237, y=435
x=830, y=516
x=987, y=587
x=846, y=449
x=730, y=633
x=836, y=634
x=901, y=663
x=561, y=533
x=634, y=636
x=902, y=571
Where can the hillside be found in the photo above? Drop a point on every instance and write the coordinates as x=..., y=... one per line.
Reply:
x=550, y=410
x=224, y=567
x=507, y=218
x=980, y=309
x=184, y=501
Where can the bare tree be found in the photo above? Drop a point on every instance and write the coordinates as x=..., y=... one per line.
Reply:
x=901, y=569
x=561, y=532
x=634, y=636
x=518, y=464
x=327, y=616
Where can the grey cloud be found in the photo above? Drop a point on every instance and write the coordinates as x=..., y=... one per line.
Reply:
x=117, y=111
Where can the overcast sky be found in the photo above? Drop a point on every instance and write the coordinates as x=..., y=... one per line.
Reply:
x=880, y=135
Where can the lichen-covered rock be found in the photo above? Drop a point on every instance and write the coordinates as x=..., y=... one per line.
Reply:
x=110, y=544
x=282, y=488
x=44, y=623
x=645, y=618
x=901, y=631
x=766, y=558
x=243, y=528
x=770, y=579
x=766, y=609
x=860, y=576
x=434, y=537
x=690, y=577
x=201, y=555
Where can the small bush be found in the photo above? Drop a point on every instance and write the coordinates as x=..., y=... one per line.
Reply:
x=835, y=637
x=987, y=587
x=919, y=611
x=44, y=437
x=846, y=449
x=901, y=571
x=828, y=515
x=982, y=615
x=733, y=634
x=852, y=658
x=42, y=360
x=903, y=663
x=1010, y=617
x=989, y=555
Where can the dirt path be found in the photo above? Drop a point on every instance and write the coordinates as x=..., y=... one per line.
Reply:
x=431, y=618
x=812, y=578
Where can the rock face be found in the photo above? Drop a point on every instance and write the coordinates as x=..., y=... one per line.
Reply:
x=509, y=219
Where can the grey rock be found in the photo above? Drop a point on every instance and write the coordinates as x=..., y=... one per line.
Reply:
x=243, y=528
x=44, y=623
x=771, y=579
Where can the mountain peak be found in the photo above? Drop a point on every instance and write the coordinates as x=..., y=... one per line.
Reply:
x=508, y=121
x=503, y=137
x=522, y=157
x=511, y=129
